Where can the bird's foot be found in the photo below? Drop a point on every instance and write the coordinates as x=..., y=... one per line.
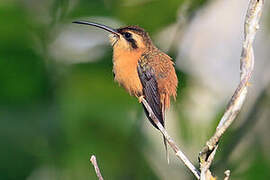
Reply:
x=140, y=99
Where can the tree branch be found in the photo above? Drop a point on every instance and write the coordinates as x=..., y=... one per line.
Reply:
x=246, y=67
x=227, y=174
x=207, y=153
x=93, y=160
x=171, y=142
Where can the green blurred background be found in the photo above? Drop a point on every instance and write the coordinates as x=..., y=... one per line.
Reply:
x=59, y=104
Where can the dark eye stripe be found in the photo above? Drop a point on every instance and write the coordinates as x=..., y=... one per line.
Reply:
x=128, y=37
x=133, y=43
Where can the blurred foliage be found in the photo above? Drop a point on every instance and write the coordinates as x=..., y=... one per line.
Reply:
x=54, y=116
x=136, y=12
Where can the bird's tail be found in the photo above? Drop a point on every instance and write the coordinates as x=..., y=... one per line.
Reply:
x=161, y=118
x=164, y=139
x=166, y=149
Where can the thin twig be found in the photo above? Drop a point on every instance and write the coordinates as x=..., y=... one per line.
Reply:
x=93, y=160
x=171, y=142
x=227, y=174
x=247, y=62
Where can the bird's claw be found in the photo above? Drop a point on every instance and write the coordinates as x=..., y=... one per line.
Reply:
x=140, y=99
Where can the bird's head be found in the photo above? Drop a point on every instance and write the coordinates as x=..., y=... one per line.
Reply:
x=127, y=38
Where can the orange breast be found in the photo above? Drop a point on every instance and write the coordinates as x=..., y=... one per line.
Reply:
x=125, y=70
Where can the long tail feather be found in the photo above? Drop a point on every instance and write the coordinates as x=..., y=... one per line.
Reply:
x=163, y=124
x=164, y=139
x=166, y=149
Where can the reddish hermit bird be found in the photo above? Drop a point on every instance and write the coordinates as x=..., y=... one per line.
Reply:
x=141, y=68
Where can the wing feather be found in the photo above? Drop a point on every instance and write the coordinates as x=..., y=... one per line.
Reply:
x=151, y=94
x=150, y=91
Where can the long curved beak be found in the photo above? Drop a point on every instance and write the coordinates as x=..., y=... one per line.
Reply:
x=102, y=26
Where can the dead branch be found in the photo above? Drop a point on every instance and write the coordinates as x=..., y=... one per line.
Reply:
x=235, y=104
x=93, y=160
x=171, y=142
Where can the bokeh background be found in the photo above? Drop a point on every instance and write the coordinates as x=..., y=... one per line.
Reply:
x=59, y=104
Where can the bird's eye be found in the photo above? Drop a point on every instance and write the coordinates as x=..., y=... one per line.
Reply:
x=127, y=35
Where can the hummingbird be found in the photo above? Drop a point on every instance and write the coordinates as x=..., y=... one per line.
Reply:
x=142, y=69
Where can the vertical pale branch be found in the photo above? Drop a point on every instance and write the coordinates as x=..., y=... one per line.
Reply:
x=93, y=160
x=171, y=142
x=246, y=67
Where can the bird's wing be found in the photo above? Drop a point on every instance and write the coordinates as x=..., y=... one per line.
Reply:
x=150, y=89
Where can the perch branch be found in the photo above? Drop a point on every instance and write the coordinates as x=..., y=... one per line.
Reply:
x=171, y=142
x=93, y=160
x=246, y=67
